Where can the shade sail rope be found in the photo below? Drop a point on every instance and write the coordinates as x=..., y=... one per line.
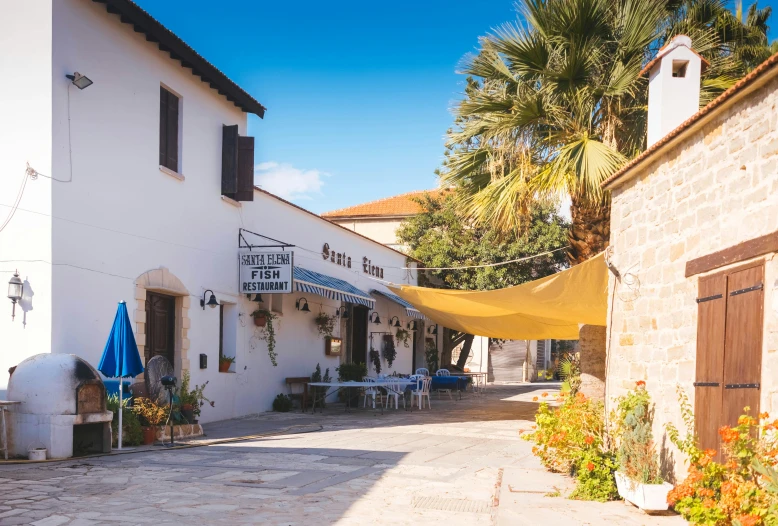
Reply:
x=488, y=264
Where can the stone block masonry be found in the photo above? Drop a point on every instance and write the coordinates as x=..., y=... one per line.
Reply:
x=714, y=190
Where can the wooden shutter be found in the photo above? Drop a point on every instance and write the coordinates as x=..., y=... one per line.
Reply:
x=168, y=129
x=743, y=347
x=229, y=160
x=162, y=126
x=245, y=169
x=708, y=387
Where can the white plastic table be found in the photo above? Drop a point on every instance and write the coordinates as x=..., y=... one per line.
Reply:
x=347, y=385
x=4, y=404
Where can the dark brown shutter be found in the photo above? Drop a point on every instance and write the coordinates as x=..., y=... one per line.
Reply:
x=162, y=126
x=229, y=160
x=708, y=387
x=172, y=132
x=245, y=169
x=743, y=347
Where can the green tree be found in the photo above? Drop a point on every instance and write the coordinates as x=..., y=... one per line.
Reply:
x=440, y=238
x=555, y=103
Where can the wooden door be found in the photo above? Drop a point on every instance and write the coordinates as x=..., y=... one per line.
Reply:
x=359, y=335
x=711, y=316
x=743, y=347
x=729, y=350
x=160, y=326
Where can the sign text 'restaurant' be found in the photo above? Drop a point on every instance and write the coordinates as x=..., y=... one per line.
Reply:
x=266, y=272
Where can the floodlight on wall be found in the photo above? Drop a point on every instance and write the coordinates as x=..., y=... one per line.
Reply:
x=394, y=322
x=375, y=318
x=212, y=303
x=342, y=312
x=302, y=304
x=15, y=287
x=80, y=81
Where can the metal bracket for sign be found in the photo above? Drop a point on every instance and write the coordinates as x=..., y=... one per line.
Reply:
x=706, y=384
x=709, y=298
x=741, y=386
x=749, y=289
x=241, y=237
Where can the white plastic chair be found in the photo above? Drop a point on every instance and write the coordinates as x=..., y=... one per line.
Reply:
x=369, y=391
x=394, y=390
x=443, y=372
x=422, y=371
x=422, y=390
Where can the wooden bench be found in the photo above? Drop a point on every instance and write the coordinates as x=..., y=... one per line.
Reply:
x=303, y=397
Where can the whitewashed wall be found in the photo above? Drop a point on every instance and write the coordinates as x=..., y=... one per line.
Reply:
x=121, y=216
x=25, y=136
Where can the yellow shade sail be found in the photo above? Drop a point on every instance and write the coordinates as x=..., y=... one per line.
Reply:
x=550, y=307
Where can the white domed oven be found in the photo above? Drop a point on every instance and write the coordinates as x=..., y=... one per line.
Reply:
x=63, y=407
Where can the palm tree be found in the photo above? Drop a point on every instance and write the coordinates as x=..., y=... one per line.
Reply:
x=559, y=103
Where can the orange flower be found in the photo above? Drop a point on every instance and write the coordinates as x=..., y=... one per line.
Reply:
x=728, y=434
x=544, y=395
x=589, y=439
x=590, y=466
x=534, y=398
x=710, y=453
x=749, y=520
x=709, y=503
x=764, y=416
x=640, y=383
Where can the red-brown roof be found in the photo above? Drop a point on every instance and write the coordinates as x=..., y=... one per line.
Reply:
x=666, y=49
x=739, y=86
x=402, y=205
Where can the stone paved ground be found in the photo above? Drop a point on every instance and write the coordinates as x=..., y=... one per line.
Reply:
x=448, y=466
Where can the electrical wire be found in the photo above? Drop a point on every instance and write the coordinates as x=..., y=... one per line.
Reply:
x=487, y=264
x=15, y=206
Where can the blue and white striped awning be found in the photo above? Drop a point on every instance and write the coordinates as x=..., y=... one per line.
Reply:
x=314, y=283
x=410, y=310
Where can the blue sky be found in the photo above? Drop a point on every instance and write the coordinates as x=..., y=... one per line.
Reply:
x=358, y=92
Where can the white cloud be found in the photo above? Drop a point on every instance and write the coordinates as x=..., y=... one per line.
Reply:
x=288, y=182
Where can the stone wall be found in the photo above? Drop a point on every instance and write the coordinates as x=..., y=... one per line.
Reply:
x=712, y=191
x=592, y=341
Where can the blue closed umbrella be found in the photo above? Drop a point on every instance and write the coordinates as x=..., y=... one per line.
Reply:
x=120, y=356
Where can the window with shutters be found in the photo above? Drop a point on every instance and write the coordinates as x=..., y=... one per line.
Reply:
x=730, y=310
x=237, y=165
x=169, y=130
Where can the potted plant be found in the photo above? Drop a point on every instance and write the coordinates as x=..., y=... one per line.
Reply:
x=638, y=477
x=325, y=324
x=225, y=362
x=388, y=350
x=151, y=415
x=261, y=317
x=191, y=401
x=403, y=336
x=267, y=332
x=375, y=358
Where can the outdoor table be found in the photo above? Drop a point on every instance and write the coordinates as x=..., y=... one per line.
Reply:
x=450, y=382
x=479, y=381
x=3, y=408
x=350, y=385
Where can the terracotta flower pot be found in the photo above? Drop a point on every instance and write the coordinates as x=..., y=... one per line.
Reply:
x=187, y=411
x=149, y=435
x=260, y=320
x=224, y=367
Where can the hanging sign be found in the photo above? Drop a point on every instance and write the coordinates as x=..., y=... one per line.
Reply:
x=271, y=272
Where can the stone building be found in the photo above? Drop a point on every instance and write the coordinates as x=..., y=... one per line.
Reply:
x=694, y=235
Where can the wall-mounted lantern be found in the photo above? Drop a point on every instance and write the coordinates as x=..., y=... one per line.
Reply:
x=375, y=318
x=433, y=330
x=412, y=325
x=302, y=304
x=257, y=298
x=394, y=322
x=15, y=287
x=80, y=81
x=212, y=303
x=342, y=312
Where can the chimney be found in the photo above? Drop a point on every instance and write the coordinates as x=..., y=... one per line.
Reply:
x=673, y=87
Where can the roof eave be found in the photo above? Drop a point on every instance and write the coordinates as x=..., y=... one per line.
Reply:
x=142, y=22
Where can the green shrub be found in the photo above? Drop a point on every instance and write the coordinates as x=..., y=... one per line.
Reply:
x=317, y=393
x=282, y=403
x=351, y=372
x=132, y=434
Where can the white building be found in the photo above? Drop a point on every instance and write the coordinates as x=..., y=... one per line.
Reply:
x=126, y=201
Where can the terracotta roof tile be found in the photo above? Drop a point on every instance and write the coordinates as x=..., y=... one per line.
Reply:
x=739, y=86
x=399, y=205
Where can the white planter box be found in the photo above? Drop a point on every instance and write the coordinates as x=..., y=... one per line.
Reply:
x=647, y=497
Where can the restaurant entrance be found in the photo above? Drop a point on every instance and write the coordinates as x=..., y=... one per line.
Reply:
x=359, y=317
